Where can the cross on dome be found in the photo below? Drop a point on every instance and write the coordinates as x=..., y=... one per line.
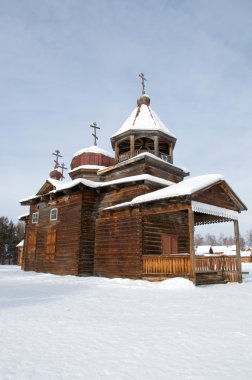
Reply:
x=141, y=75
x=57, y=154
x=62, y=167
x=94, y=125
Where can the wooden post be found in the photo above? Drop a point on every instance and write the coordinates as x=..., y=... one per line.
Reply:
x=116, y=152
x=132, y=146
x=171, y=153
x=238, y=251
x=191, y=242
x=156, y=146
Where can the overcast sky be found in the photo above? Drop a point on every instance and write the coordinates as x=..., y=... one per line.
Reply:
x=65, y=64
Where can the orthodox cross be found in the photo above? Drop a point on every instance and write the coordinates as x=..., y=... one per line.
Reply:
x=94, y=125
x=62, y=167
x=143, y=84
x=57, y=154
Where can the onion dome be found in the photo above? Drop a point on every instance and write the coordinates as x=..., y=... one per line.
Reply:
x=86, y=162
x=92, y=156
x=56, y=173
x=144, y=99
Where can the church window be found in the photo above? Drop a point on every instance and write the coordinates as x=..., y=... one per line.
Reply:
x=54, y=214
x=35, y=217
x=169, y=244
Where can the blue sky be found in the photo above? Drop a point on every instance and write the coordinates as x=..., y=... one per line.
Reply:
x=65, y=64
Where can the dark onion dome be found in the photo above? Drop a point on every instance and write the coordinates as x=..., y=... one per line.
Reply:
x=144, y=99
x=92, y=156
x=56, y=173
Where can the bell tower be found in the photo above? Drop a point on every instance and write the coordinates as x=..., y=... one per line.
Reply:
x=143, y=132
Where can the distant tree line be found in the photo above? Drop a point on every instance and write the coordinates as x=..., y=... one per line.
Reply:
x=210, y=239
x=10, y=235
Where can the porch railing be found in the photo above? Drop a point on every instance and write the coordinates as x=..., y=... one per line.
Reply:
x=181, y=264
x=216, y=264
x=176, y=265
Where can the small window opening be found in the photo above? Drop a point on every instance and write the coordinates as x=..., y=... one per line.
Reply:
x=54, y=214
x=35, y=217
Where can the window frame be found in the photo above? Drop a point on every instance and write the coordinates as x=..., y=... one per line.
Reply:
x=51, y=212
x=35, y=217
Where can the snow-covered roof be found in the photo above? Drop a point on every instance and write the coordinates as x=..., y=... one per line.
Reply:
x=93, y=149
x=20, y=244
x=93, y=184
x=23, y=215
x=143, y=118
x=226, y=250
x=186, y=187
x=223, y=248
x=202, y=249
x=146, y=154
x=87, y=167
x=56, y=183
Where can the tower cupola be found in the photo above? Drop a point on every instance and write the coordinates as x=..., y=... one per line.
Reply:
x=143, y=131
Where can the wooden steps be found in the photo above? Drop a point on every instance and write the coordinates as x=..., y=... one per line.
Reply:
x=207, y=278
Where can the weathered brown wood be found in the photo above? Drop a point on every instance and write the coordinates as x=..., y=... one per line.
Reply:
x=132, y=146
x=216, y=263
x=147, y=165
x=57, y=243
x=177, y=265
x=119, y=252
x=216, y=195
x=191, y=243
x=238, y=250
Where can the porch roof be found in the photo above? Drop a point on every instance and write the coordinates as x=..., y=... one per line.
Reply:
x=189, y=187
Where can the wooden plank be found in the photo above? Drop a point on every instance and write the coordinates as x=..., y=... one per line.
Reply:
x=238, y=250
x=191, y=243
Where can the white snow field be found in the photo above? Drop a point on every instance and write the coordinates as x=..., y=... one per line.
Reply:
x=65, y=327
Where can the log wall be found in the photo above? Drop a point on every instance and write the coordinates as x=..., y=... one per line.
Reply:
x=64, y=234
x=118, y=248
x=87, y=239
x=145, y=166
x=154, y=226
x=125, y=193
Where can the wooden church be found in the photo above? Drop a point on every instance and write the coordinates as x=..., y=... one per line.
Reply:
x=131, y=214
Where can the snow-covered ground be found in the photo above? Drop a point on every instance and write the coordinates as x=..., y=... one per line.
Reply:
x=67, y=327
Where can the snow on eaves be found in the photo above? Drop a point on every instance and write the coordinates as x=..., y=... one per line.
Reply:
x=186, y=187
x=93, y=149
x=20, y=244
x=92, y=184
x=23, y=215
x=87, y=167
x=143, y=118
x=54, y=182
x=147, y=154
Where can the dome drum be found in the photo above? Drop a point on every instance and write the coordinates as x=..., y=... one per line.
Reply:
x=89, y=158
x=153, y=142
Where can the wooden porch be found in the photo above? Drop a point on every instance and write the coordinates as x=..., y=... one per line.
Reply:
x=216, y=269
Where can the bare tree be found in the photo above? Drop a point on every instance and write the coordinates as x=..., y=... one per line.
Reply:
x=198, y=239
